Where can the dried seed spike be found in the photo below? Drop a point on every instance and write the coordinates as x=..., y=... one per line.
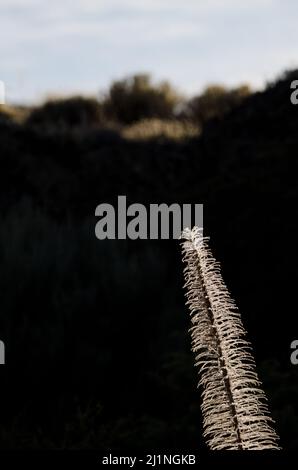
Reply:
x=234, y=408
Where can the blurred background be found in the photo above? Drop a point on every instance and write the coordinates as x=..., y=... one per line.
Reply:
x=161, y=101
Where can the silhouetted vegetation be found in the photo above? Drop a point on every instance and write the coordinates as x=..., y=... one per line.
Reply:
x=61, y=114
x=136, y=98
x=98, y=353
x=215, y=102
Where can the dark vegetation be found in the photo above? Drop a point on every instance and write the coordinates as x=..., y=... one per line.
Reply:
x=98, y=352
x=63, y=114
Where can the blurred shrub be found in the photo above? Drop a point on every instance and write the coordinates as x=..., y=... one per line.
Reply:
x=215, y=101
x=62, y=114
x=136, y=98
x=13, y=114
x=162, y=129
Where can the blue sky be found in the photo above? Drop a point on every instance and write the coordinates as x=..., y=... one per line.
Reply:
x=70, y=46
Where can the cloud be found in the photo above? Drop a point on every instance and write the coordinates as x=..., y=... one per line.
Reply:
x=84, y=43
x=193, y=5
x=111, y=25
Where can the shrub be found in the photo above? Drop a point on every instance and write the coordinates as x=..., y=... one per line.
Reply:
x=215, y=101
x=13, y=114
x=162, y=129
x=136, y=98
x=62, y=114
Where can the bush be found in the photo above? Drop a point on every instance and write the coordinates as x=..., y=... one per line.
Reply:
x=215, y=101
x=62, y=114
x=162, y=129
x=13, y=114
x=136, y=98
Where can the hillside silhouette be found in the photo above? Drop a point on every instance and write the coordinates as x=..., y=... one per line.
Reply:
x=97, y=331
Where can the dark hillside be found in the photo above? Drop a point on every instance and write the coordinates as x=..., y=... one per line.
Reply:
x=97, y=330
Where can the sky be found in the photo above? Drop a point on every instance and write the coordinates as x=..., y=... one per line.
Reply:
x=80, y=46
